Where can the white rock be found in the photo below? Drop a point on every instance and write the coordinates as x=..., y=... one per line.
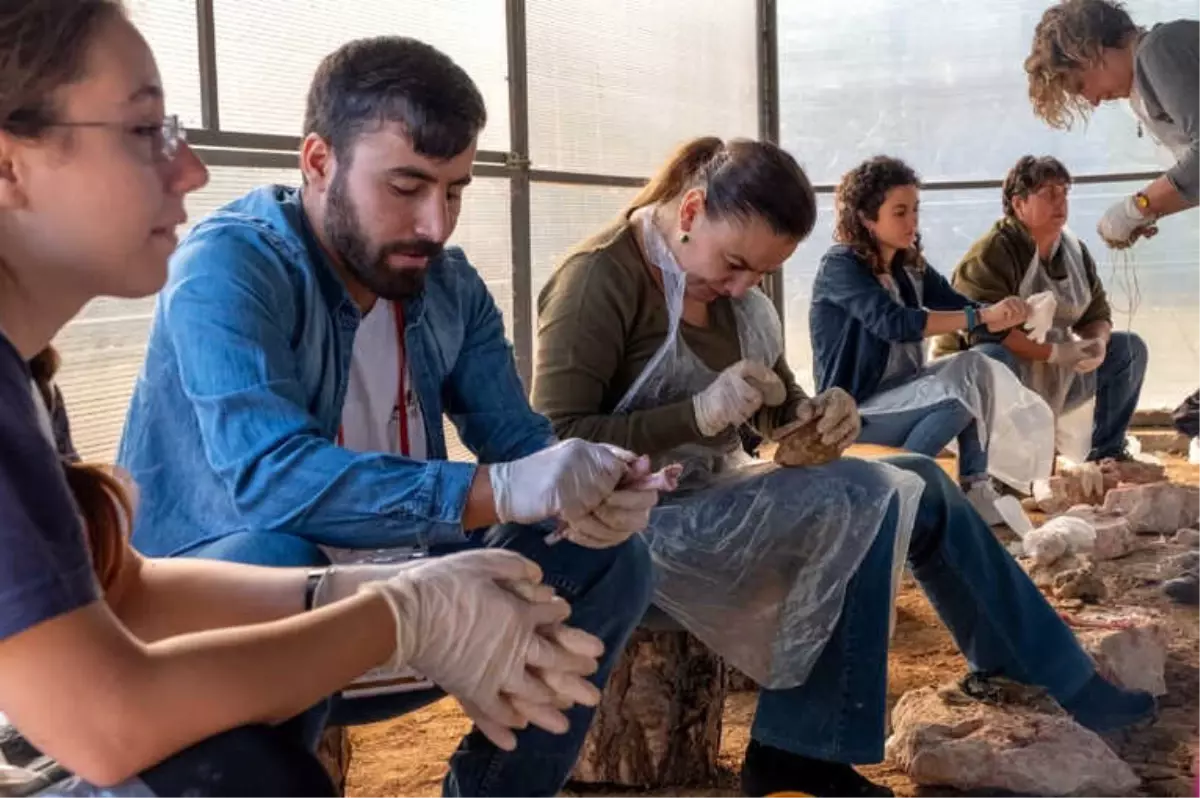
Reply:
x=1187, y=537
x=1161, y=508
x=1057, y=537
x=1114, y=535
x=975, y=746
x=1131, y=658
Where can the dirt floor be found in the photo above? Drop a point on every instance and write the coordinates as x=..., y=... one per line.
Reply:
x=408, y=756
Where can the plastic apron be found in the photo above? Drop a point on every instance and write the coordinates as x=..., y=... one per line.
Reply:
x=1014, y=425
x=1071, y=396
x=751, y=558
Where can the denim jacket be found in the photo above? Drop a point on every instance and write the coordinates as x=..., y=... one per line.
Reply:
x=853, y=320
x=234, y=414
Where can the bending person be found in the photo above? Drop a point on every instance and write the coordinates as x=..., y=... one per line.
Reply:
x=1030, y=251
x=652, y=335
x=1086, y=52
x=192, y=668
x=234, y=424
x=875, y=300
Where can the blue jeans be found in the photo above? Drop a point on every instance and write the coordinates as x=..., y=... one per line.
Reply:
x=927, y=430
x=1118, y=387
x=248, y=760
x=999, y=619
x=609, y=591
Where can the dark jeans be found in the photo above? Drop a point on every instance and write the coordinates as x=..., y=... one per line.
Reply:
x=1118, y=387
x=999, y=619
x=609, y=591
x=247, y=761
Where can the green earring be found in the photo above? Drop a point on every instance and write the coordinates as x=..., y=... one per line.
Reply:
x=684, y=238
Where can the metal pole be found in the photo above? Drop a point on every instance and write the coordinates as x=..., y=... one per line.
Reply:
x=210, y=113
x=518, y=163
x=767, y=52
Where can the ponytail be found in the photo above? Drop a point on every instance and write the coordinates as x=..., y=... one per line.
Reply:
x=102, y=500
x=107, y=513
x=683, y=169
x=741, y=179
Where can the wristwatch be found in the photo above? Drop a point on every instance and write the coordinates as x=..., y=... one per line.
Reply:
x=1142, y=202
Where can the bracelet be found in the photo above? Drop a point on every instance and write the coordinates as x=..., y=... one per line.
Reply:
x=972, y=320
x=310, y=587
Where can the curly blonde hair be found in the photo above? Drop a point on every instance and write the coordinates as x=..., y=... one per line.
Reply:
x=1071, y=36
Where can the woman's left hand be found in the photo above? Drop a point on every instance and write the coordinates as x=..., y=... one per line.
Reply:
x=1005, y=314
x=836, y=415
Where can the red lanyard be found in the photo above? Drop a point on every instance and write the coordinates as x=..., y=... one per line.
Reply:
x=401, y=406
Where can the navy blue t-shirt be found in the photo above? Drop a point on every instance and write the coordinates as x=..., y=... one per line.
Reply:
x=45, y=566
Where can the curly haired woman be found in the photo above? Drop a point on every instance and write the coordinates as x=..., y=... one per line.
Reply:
x=875, y=301
x=1086, y=52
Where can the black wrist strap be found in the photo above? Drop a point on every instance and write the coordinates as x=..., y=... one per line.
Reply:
x=310, y=587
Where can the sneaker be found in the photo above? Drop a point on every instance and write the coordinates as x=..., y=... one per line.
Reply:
x=983, y=497
x=1183, y=589
x=769, y=771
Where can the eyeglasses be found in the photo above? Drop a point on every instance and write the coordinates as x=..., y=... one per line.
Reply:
x=163, y=140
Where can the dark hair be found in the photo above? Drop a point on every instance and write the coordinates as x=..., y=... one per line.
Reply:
x=862, y=192
x=368, y=83
x=1071, y=36
x=43, y=47
x=740, y=179
x=1029, y=175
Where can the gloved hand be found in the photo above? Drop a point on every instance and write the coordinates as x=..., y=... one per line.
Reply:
x=482, y=626
x=1070, y=354
x=836, y=413
x=567, y=480
x=626, y=511
x=1093, y=363
x=1123, y=223
x=736, y=395
x=1005, y=314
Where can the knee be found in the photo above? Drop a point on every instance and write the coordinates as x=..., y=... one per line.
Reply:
x=263, y=548
x=996, y=352
x=1129, y=347
x=937, y=482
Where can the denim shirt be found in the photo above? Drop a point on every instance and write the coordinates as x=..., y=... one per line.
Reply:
x=854, y=321
x=234, y=414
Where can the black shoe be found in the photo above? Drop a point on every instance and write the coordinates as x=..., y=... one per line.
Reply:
x=1183, y=590
x=1103, y=707
x=771, y=771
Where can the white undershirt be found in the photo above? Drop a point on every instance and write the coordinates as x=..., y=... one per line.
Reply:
x=370, y=417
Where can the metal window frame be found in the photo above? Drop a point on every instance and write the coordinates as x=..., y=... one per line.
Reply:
x=229, y=148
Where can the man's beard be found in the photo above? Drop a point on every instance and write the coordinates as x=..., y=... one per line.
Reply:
x=366, y=263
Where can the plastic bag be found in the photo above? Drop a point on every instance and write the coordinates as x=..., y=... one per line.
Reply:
x=1058, y=537
x=756, y=563
x=1041, y=315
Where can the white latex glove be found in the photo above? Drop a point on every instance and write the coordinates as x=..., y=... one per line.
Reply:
x=482, y=627
x=836, y=412
x=1123, y=223
x=1005, y=314
x=1093, y=363
x=1041, y=315
x=1070, y=354
x=736, y=395
x=567, y=480
x=623, y=514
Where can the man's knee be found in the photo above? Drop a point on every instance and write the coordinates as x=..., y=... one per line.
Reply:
x=263, y=548
x=925, y=467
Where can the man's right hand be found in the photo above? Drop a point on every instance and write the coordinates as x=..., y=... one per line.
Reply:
x=1070, y=354
x=567, y=481
x=482, y=626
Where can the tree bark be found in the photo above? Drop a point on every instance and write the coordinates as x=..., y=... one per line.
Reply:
x=659, y=723
x=334, y=753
